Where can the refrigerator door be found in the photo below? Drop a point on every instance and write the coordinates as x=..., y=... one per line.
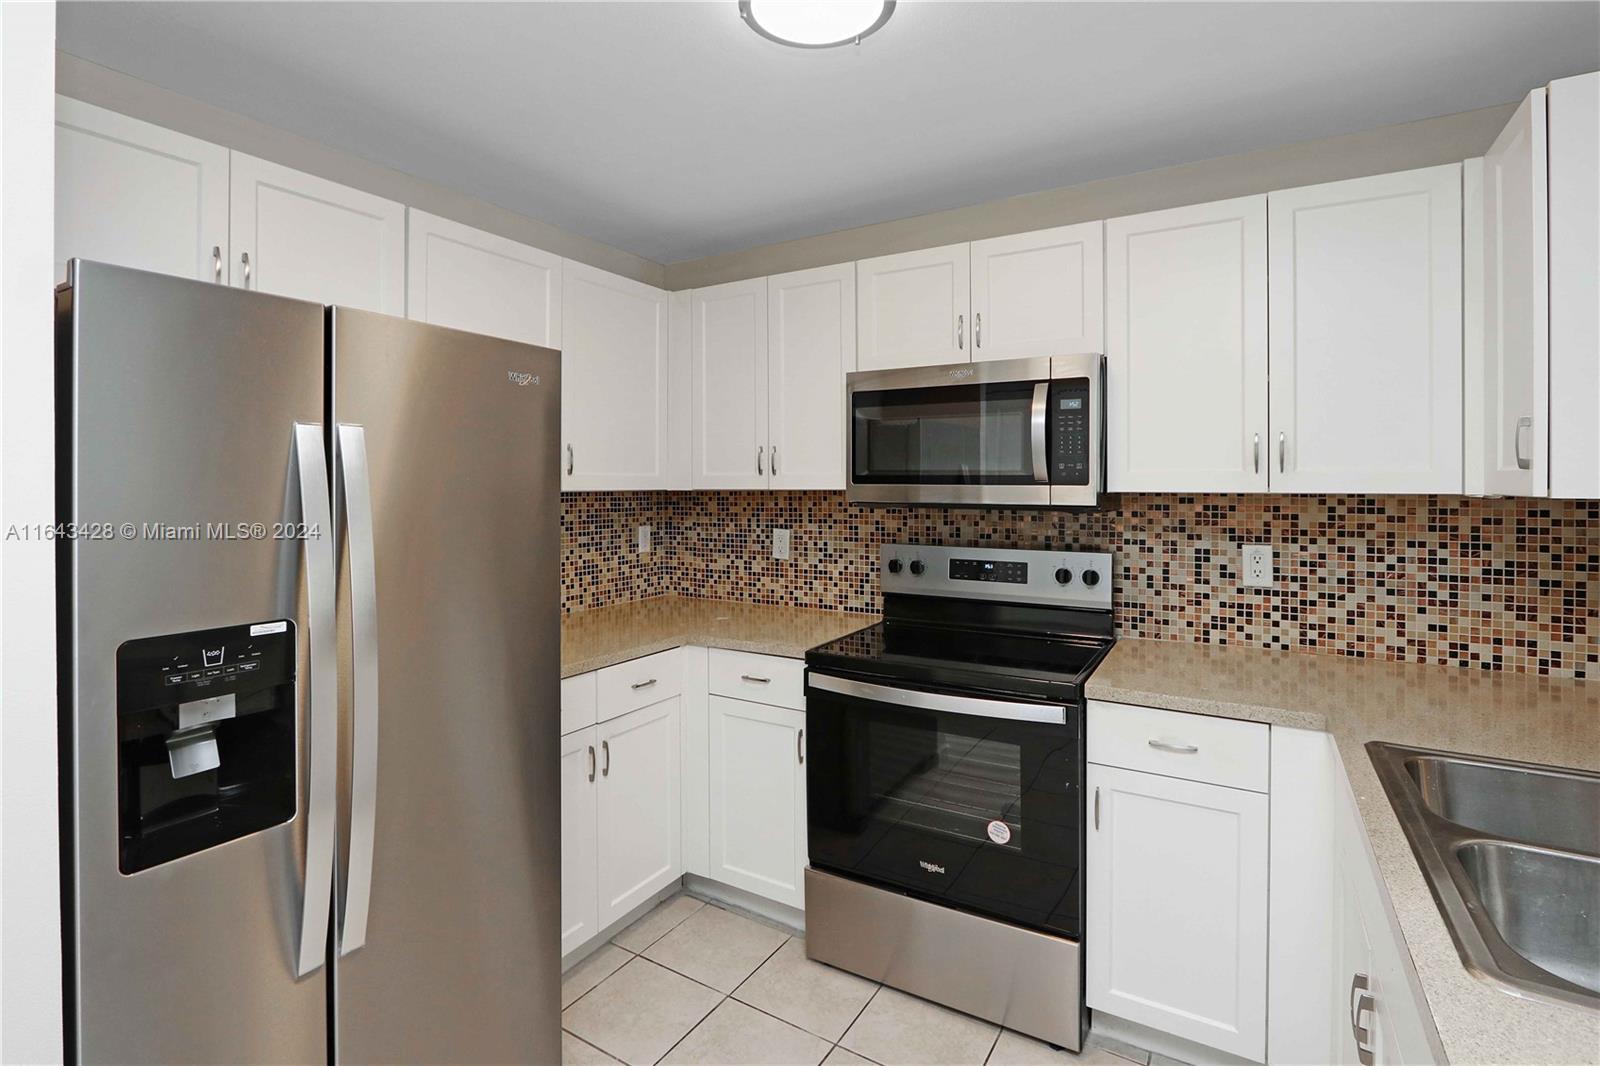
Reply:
x=197, y=761
x=449, y=883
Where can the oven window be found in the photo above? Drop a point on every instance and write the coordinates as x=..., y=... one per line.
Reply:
x=977, y=812
x=945, y=434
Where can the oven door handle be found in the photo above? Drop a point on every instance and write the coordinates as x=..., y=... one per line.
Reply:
x=1049, y=713
x=1041, y=415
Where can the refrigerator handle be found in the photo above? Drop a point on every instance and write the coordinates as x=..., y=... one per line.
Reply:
x=355, y=490
x=322, y=725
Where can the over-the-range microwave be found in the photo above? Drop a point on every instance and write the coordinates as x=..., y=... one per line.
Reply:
x=1012, y=433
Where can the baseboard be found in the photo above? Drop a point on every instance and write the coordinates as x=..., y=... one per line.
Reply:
x=1154, y=1040
x=602, y=938
x=782, y=915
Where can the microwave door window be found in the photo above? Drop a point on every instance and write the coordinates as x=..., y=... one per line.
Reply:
x=954, y=434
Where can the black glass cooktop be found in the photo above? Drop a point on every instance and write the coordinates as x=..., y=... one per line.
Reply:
x=1042, y=666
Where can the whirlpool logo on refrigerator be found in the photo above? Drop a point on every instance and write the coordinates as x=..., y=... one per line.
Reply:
x=518, y=378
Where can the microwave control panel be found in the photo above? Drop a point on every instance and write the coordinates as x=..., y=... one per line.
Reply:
x=1069, y=431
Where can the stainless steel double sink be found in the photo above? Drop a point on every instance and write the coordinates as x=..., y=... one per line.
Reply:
x=1512, y=853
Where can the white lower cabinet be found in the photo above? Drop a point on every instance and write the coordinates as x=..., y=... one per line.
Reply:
x=1176, y=930
x=640, y=851
x=758, y=798
x=579, y=872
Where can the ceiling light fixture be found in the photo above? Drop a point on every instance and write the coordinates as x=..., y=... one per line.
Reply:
x=815, y=23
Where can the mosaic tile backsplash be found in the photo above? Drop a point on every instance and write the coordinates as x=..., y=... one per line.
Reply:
x=1508, y=584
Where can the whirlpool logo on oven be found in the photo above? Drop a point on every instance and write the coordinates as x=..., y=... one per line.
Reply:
x=931, y=867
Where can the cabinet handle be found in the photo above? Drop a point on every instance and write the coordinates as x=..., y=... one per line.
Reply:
x=1361, y=1001
x=1180, y=749
x=216, y=263
x=569, y=460
x=754, y=680
x=642, y=684
x=774, y=460
x=800, y=746
x=605, y=748
x=1255, y=452
x=977, y=330
x=591, y=762
x=1097, y=808
x=1525, y=422
x=961, y=331
x=244, y=257
x=1280, y=451
x=760, y=454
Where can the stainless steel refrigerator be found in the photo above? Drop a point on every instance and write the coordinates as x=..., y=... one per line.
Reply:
x=310, y=655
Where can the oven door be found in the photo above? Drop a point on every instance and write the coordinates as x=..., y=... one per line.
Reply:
x=974, y=433
x=961, y=800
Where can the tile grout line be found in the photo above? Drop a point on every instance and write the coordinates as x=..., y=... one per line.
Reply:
x=725, y=995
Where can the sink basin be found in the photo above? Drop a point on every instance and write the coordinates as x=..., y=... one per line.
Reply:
x=1511, y=852
x=1544, y=904
x=1537, y=806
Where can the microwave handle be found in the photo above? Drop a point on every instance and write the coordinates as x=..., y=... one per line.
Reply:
x=1041, y=415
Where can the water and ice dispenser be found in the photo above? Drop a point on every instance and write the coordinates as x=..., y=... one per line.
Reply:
x=206, y=739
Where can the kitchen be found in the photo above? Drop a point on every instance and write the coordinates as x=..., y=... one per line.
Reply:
x=1135, y=602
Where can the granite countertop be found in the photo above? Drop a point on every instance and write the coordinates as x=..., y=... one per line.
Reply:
x=1513, y=716
x=604, y=636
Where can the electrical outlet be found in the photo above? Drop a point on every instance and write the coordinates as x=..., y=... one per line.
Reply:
x=1257, y=565
x=780, y=544
x=644, y=538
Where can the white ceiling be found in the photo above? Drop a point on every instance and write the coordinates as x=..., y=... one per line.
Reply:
x=672, y=131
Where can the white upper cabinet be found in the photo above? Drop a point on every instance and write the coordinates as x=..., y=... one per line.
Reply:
x=615, y=382
x=1508, y=357
x=297, y=235
x=1574, y=117
x=1186, y=349
x=1365, y=334
x=465, y=278
x=811, y=330
x=138, y=195
x=1038, y=293
x=912, y=308
x=729, y=353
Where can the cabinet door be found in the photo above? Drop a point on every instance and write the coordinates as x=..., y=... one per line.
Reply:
x=639, y=835
x=1574, y=118
x=758, y=801
x=615, y=382
x=1038, y=293
x=1186, y=349
x=811, y=345
x=1353, y=966
x=138, y=195
x=1365, y=334
x=730, y=385
x=297, y=235
x=468, y=279
x=1177, y=907
x=911, y=308
x=579, y=887
x=1507, y=385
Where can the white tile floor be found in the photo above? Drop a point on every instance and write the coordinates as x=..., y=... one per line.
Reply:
x=693, y=982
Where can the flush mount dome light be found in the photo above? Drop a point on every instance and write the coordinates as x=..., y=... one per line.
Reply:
x=815, y=23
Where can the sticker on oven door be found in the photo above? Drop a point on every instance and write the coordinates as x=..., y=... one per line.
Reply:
x=999, y=832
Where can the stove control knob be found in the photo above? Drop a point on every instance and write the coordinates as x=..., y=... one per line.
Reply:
x=1091, y=578
x=894, y=566
x=1064, y=576
x=917, y=567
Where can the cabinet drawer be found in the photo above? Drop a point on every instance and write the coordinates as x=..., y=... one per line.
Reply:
x=1196, y=747
x=639, y=683
x=577, y=702
x=770, y=679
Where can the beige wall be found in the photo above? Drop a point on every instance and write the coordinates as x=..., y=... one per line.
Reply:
x=1412, y=144
x=94, y=84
